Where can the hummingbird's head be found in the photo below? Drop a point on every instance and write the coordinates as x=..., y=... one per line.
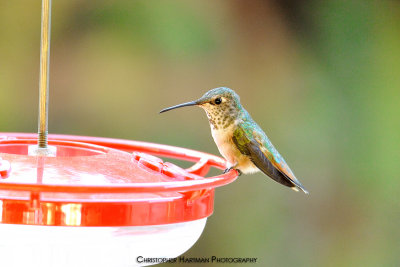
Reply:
x=221, y=104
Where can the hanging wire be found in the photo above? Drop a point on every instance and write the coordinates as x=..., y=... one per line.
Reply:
x=44, y=73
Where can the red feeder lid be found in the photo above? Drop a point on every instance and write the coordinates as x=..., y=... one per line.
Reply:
x=95, y=181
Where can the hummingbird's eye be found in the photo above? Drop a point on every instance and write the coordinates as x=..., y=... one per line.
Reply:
x=218, y=101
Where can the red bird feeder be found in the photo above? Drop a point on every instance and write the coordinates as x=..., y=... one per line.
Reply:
x=104, y=195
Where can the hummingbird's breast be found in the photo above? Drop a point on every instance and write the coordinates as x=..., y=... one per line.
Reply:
x=223, y=139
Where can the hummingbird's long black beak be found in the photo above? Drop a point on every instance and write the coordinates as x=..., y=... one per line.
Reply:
x=192, y=103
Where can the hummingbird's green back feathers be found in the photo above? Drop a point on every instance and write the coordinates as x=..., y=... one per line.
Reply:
x=255, y=144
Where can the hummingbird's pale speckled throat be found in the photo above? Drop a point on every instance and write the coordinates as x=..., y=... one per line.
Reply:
x=239, y=139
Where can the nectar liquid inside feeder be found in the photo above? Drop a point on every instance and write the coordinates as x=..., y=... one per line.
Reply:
x=90, y=201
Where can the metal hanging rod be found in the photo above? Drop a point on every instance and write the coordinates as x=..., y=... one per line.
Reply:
x=44, y=73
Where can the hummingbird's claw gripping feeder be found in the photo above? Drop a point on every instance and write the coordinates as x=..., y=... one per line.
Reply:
x=89, y=201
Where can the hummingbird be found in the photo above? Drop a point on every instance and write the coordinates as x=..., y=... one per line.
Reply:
x=239, y=139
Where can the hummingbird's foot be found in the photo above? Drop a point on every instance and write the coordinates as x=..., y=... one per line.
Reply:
x=232, y=168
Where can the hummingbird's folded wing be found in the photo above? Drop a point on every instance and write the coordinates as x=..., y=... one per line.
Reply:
x=265, y=157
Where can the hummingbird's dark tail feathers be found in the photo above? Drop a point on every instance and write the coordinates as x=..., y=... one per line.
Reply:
x=269, y=169
x=297, y=185
x=265, y=165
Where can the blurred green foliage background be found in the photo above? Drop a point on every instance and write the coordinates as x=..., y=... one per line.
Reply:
x=322, y=78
